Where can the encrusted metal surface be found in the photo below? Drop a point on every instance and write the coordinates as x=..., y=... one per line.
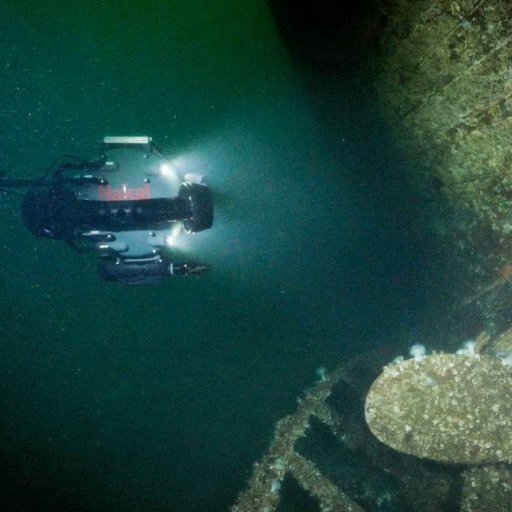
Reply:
x=444, y=82
x=446, y=407
x=264, y=486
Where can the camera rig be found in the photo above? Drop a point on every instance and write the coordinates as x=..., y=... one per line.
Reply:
x=124, y=206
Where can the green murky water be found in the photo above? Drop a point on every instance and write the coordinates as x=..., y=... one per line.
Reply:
x=160, y=398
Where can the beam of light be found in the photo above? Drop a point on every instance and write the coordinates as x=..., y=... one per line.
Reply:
x=168, y=170
x=174, y=239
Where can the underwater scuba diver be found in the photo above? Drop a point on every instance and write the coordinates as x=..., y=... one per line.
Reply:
x=126, y=206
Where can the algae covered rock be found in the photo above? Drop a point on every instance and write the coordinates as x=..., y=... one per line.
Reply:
x=445, y=407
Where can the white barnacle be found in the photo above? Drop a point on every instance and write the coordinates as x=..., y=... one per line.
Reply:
x=418, y=351
x=275, y=486
x=467, y=349
x=398, y=360
x=321, y=373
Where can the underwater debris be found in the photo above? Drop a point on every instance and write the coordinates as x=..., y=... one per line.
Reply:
x=445, y=407
x=325, y=450
x=281, y=459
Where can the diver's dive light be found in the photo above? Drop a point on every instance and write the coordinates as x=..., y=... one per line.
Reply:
x=123, y=206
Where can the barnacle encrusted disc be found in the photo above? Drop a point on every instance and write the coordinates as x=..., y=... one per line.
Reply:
x=445, y=407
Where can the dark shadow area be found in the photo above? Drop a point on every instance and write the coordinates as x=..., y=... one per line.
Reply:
x=29, y=483
x=329, y=35
x=295, y=499
x=402, y=263
x=351, y=472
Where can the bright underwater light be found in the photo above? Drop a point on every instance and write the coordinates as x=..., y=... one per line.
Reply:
x=180, y=169
x=167, y=170
x=174, y=240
